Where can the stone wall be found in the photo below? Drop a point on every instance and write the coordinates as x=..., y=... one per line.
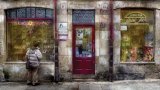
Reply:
x=17, y=71
x=121, y=71
x=12, y=71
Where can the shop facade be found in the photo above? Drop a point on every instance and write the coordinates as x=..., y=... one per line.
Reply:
x=83, y=38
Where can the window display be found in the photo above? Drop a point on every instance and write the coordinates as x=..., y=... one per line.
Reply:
x=137, y=39
x=22, y=32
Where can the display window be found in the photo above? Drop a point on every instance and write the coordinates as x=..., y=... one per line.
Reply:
x=137, y=35
x=24, y=29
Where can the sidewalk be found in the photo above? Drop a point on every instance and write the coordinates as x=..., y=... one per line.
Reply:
x=153, y=84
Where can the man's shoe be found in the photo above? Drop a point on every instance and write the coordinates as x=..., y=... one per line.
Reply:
x=35, y=84
x=29, y=83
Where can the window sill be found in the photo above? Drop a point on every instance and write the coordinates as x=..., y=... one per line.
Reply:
x=137, y=63
x=22, y=62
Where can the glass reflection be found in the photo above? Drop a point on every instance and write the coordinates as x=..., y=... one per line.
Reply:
x=20, y=35
x=83, y=42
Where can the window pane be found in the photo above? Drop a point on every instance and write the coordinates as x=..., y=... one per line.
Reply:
x=21, y=13
x=33, y=12
x=28, y=12
x=8, y=14
x=22, y=33
x=83, y=16
x=40, y=12
x=49, y=13
x=13, y=14
x=83, y=42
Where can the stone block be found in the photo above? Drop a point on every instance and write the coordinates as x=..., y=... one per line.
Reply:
x=97, y=25
x=117, y=14
x=69, y=18
x=62, y=12
x=104, y=35
x=62, y=4
x=129, y=72
x=104, y=18
x=103, y=43
x=22, y=4
x=97, y=18
x=69, y=51
x=69, y=34
x=66, y=76
x=69, y=43
x=62, y=44
x=81, y=5
x=97, y=47
x=62, y=18
x=69, y=27
x=47, y=71
x=1, y=73
x=5, y=5
x=63, y=51
x=102, y=67
x=65, y=63
x=17, y=71
x=102, y=63
x=132, y=71
x=46, y=3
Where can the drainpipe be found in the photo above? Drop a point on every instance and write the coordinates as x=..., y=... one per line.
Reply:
x=111, y=40
x=56, y=78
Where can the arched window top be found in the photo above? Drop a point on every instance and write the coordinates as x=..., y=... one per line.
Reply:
x=29, y=13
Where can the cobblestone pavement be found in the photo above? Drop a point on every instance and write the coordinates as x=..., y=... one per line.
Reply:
x=117, y=85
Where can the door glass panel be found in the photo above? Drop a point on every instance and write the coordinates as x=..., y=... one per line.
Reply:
x=83, y=42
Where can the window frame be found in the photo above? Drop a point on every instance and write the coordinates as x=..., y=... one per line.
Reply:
x=154, y=29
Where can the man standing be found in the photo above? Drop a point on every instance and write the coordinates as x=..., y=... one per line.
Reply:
x=33, y=57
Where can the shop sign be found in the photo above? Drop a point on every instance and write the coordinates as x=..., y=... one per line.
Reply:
x=62, y=31
x=123, y=28
x=135, y=17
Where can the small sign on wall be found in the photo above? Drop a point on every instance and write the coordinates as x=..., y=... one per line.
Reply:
x=62, y=31
x=123, y=28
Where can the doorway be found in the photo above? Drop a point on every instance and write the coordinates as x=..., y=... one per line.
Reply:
x=83, y=49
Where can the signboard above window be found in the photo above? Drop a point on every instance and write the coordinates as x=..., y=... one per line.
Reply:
x=135, y=17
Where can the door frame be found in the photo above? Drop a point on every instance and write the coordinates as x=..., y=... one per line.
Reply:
x=74, y=26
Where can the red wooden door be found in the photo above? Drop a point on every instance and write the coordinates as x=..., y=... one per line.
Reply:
x=83, y=49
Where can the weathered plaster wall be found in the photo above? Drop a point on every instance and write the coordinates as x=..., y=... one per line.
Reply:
x=121, y=71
